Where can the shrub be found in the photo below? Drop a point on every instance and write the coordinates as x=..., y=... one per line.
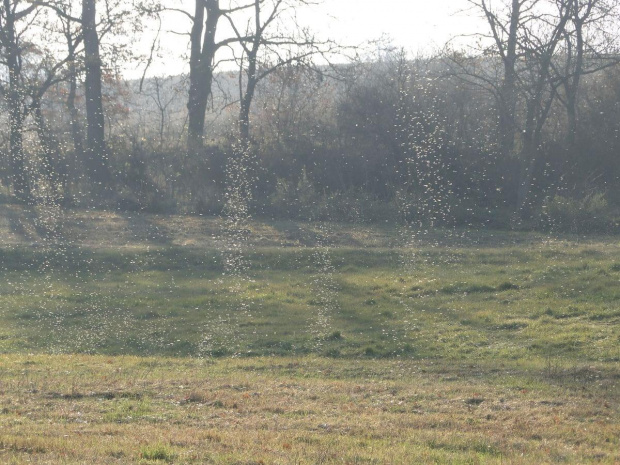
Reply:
x=301, y=200
x=587, y=215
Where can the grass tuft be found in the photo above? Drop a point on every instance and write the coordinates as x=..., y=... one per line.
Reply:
x=157, y=452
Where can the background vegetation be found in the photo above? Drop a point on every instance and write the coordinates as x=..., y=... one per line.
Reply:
x=517, y=128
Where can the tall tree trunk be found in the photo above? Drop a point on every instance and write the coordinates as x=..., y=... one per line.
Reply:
x=252, y=80
x=76, y=129
x=537, y=113
x=529, y=152
x=246, y=102
x=21, y=185
x=97, y=162
x=508, y=90
x=572, y=85
x=54, y=172
x=202, y=53
x=535, y=117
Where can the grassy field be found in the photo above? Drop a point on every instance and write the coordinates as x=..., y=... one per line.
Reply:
x=104, y=410
x=137, y=339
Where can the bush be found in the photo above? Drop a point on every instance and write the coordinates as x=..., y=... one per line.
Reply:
x=587, y=215
x=302, y=201
x=142, y=186
x=209, y=204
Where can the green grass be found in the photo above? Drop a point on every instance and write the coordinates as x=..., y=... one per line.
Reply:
x=157, y=452
x=472, y=347
x=511, y=302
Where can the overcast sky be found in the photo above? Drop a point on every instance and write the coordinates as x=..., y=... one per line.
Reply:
x=417, y=25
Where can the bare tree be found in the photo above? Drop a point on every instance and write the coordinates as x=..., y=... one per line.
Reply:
x=268, y=46
x=590, y=44
x=539, y=44
x=14, y=13
x=545, y=48
x=162, y=92
x=524, y=35
x=73, y=38
x=82, y=34
x=202, y=53
x=505, y=35
x=203, y=48
x=97, y=162
x=32, y=69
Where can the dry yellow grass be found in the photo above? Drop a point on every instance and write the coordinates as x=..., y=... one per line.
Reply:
x=105, y=410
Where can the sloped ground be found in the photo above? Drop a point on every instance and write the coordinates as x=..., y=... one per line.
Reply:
x=103, y=229
x=471, y=347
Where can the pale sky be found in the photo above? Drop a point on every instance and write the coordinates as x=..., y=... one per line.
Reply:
x=417, y=25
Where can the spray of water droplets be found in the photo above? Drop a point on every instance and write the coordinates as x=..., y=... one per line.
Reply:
x=424, y=196
x=324, y=287
x=220, y=335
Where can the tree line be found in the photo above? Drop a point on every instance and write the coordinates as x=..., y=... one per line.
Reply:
x=519, y=124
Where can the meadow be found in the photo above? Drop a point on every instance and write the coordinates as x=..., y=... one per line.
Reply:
x=132, y=339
